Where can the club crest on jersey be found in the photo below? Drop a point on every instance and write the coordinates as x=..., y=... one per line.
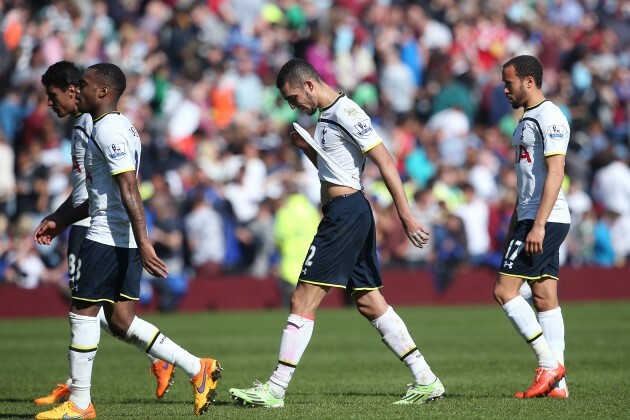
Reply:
x=324, y=131
x=117, y=150
x=363, y=127
x=556, y=131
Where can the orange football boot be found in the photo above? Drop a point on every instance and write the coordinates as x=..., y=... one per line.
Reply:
x=164, y=373
x=67, y=410
x=57, y=396
x=204, y=385
x=544, y=380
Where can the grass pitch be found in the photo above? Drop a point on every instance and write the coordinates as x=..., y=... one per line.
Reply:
x=346, y=373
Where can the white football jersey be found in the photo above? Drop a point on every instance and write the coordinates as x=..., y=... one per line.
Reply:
x=345, y=133
x=113, y=149
x=81, y=133
x=543, y=131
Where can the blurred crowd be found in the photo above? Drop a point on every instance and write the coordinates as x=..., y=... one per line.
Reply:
x=217, y=167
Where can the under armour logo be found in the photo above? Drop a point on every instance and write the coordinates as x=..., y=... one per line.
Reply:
x=508, y=264
x=304, y=271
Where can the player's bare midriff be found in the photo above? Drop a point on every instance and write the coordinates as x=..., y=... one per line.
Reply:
x=329, y=190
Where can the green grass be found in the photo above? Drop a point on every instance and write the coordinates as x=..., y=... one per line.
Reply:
x=346, y=371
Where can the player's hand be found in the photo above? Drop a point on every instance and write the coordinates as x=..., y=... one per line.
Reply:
x=534, y=240
x=151, y=262
x=298, y=141
x=46, y=231
x=416, y=233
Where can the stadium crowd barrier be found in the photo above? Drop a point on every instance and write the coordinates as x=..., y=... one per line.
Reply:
x=402, y=288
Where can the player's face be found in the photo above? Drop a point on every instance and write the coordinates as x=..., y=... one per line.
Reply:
x=514, y=88
x=301, y=97
x=90, y=91
x=62, y=103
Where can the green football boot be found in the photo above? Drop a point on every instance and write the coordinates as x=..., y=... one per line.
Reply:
x=258, y=396
x=420, y=394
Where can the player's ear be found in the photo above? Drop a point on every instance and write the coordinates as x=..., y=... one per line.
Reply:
x=103, y=91
x=309, y=85
x=530, y=82
x=72, y=90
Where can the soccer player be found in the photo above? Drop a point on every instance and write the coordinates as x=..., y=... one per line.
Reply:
x=343, y=251
x=539, y=225
x=114, y=251
x=61, y=82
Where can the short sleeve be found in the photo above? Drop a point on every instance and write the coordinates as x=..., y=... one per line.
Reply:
x=556, y=134
x=114, y=145
x=358, y=125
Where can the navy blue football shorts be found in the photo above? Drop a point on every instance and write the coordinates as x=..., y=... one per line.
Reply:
x=516, y=263
x=106, y=273
x=75, y=239
x=343, y=252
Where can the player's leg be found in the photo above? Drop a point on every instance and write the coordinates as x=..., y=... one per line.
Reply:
x=516, y=267
x=163, y=371
x=89, y=286
x=426, y=386
x=545, y=293
x=523, y=318
x=203, y=373
x=328, y=263
x=295, y=338
x=85, y=335
x=75, y=238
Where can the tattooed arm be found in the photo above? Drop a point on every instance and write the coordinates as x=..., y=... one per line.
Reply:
x=133, y=205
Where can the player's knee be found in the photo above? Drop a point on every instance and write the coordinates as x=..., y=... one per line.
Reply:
x=119, y=326
x=501, y=294
x=544, y=303
x=370, y=304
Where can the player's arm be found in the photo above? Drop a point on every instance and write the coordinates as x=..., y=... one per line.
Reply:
x=55, y=223
x=63, y=208
x=302, y=144
x=135, y=210
x=415, y=231
x=551, y=189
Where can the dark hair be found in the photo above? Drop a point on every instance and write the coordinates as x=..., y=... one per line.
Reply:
x=111, y=76
x=62, y=75
x=295, y=72
x=527, y=65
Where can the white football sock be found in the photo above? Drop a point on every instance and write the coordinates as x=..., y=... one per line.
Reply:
x=552, y=325
x=524, y=320
x=295, y=338
x=148, y=338
x=85, y=335
x=396, y=337
x=103, y=321
x=105, y=326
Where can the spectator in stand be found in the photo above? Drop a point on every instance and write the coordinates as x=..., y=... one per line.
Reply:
x=475, y=215
x=204, y=237
x=294, y=227
x=166, y=235
x=7, y=176
x=450, y=249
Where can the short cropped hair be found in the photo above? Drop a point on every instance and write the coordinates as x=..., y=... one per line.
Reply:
x=295, y=72
x=527, y=65
x=62, y=75
x=111, y=76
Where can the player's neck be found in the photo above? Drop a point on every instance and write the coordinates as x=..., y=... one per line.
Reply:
x=534, y=101
x=104, y=110
x=327, y=97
